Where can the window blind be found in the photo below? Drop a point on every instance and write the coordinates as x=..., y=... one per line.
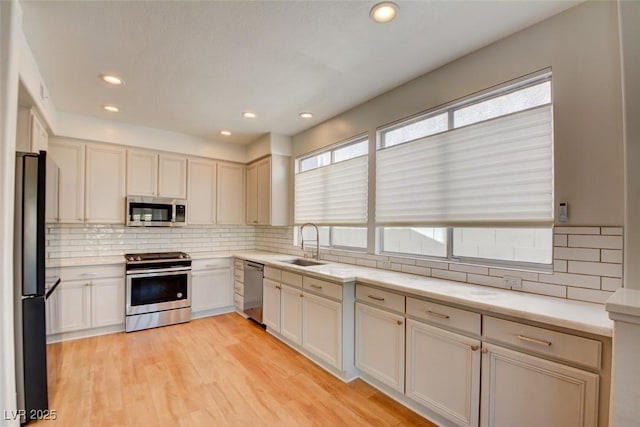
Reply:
x=498, y=172
x=333, y=195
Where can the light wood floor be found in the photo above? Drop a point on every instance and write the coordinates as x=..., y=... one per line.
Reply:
x=218, y=371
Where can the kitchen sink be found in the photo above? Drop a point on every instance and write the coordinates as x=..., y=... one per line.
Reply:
x=302, y=262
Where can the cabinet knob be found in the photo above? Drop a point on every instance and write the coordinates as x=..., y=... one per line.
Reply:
x=399, y=322
x=301, y=295
x=474, y=348
x=485, y=350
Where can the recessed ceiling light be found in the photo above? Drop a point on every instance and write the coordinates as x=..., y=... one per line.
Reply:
x=112, y=80
x=225, y=133
x=384, y=11
x=111, y=108
x=306, y=115
x=249, y=115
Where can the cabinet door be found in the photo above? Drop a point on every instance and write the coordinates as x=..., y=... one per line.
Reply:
x=322, y=328
x=271, y=304
x=142, y=173
x=231, y=189
x=51, y=212
x=291, y=314
x=107, y=302
x=443, y=372
x=69, y=157
x=523, y=390
x=211, y=289
x=52, y=314
x=380, y=345
x=252, y=194
x=264, y=191
x=172, y=176
x=39, y=135
x=106, y=189
x=201, y=195
x=73, y=306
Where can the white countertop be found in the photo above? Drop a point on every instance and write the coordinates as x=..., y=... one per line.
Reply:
x=624, y=301
x=580, y=316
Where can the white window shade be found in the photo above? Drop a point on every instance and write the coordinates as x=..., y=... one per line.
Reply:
x=495, y=172
x=333, y=195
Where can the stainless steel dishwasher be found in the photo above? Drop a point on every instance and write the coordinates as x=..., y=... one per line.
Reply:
x=253, y=275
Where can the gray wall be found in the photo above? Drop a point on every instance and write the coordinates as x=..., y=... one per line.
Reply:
x=582, y=48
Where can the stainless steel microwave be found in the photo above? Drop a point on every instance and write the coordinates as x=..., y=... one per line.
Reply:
x=156, y=212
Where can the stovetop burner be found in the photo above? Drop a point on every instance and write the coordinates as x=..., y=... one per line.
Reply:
x=156, y=256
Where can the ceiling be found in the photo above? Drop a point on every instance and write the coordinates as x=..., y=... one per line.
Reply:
x=194, y=67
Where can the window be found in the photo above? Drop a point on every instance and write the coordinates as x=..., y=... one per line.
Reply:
x=331, y=191
x=473, y=180
x=348, y=238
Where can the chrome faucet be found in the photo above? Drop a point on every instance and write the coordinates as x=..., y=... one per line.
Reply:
x=317, y=238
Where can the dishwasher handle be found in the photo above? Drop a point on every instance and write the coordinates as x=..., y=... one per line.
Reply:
x=253, y=266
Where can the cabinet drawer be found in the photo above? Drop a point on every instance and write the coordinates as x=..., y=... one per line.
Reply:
x=238, y=288
x=272, y=273
x=322, y=287
x=444, y=315
x=239, y=264
x=582, y=351
x=238, y=301
x=380, y=298
x=91, y=272
x=239, y=274
x=292, y=279
x=210, y=263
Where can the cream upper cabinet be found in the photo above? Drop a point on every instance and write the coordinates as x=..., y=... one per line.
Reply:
x=201, y=194
x=105, y=184
x=268, y=191
x=51, y=211
x=230, y=193
x=69, y=156
x=31, y=134
x=142, y=173
x=172, y=176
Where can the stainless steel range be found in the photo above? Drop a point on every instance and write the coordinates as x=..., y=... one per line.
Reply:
x=158, y=290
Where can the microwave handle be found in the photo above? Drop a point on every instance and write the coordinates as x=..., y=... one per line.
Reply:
x=174, y=212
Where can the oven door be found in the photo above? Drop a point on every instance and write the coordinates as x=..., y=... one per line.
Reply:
x=150, y=291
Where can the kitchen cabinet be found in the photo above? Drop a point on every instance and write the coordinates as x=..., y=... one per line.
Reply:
x=172, y=176
x=271, y=304
x=291, y=313
x=105, y=184
x=443, y=372
x=201, y=194
x=238, y=286
x=31, y=134
x=524, y=390
x=211, y=287
x=142, y=173
x=89, y=300
x=267, y=191
x=230, y=191
x=70, y=158
x=322, y=328
x=379, y=345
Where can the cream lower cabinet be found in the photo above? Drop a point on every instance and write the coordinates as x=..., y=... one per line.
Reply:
x=211, y=287
x=526, y=391
x=443, y=372
x=238, y=285
x=87, y=298
x=379, y=347
x=291, y=313
x=271, y=304
x=322, y=328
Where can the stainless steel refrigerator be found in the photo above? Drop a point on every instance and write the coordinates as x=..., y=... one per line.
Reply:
x=29, y=281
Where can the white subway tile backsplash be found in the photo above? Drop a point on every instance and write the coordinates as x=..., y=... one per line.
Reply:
x=524, y=275
x=479, y=279
x=474, y=269
x=578, y=280
x=544, y=289
x=611, y=284
x=449, y=275
x=412, y=269
x=613, y=231
x=577, y=254
x=611, y=255
x=559, y=240
x=588, y=295
x=577, y=230
x=595, y=268
x=597, y=242
x=560, y=265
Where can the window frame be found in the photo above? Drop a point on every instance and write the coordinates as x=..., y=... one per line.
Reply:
x=331, y=150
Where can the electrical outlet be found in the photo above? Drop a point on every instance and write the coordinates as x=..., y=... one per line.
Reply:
x=512, y=282
x=385, y=264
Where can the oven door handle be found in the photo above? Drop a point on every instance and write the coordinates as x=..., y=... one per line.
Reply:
x=156, y=272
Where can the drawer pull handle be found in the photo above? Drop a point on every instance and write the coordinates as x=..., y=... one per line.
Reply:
x=316, y=287
x=534, y=340
x=375, y=298
x=474, y=348
x=435, y=314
